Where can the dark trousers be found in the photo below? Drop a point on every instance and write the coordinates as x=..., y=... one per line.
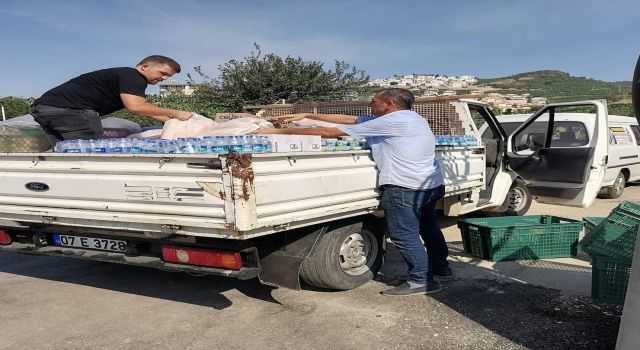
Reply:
x=66, y=123
x=411, y=214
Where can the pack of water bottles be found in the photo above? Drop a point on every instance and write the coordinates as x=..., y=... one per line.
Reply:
x=456, y=140
x=208, y=144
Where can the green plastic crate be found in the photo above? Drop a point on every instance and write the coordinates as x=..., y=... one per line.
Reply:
x=520, y=237
x=591, y=222
x=609, y=279
x=466, y=241
x=614, y=237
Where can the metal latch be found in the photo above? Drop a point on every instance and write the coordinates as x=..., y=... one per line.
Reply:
x=280, y=227
x=172, y=227
x=165, y=160
x=48, y=219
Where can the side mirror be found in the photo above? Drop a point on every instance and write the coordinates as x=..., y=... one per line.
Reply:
x=535, y=140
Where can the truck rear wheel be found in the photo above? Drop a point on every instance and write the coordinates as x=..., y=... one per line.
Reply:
x=345, y=257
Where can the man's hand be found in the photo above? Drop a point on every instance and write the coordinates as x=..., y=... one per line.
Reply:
x=267, y=131
x=183, y=115
x=290, y=117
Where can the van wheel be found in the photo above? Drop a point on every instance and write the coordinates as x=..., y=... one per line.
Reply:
x=518, y=199
x=345, y=257
x=615, y=190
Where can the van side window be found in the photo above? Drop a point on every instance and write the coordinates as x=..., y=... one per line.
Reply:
x=569, y=134
x=636, y=133
x=620, y=135
x=612, y=140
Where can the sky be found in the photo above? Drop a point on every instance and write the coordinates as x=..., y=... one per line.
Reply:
x=45, y=43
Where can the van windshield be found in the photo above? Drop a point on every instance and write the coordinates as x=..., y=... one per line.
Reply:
x=565, y=133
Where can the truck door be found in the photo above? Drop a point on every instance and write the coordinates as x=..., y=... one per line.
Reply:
x=562, y=164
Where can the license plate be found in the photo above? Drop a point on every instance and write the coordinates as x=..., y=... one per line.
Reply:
x=110, y=245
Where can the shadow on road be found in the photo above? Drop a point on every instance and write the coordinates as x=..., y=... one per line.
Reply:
x=507, y=300
x=198, y=290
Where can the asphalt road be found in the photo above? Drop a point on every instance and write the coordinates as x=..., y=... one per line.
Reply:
x=57, y=303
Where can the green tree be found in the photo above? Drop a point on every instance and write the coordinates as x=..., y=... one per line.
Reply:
x=15, y=106
x=193, y=103
x=265, y=79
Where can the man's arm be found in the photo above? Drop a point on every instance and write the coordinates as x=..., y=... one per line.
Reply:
x=331, y=118
x=139, y=105
x=324, y=132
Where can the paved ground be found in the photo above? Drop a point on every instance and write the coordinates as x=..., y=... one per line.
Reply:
x=54, y=303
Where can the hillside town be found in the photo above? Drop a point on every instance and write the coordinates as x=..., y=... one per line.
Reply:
x=423, y=85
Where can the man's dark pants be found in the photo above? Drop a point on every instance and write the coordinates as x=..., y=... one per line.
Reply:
x=67, y=123
x=411, y=214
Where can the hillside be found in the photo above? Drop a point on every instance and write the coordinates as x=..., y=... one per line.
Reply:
x=559, y=86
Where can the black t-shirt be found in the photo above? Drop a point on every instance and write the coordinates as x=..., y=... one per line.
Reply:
x=99, y=90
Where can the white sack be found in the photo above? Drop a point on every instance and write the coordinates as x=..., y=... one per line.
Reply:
x=197, y=125
x=149, y=134
x=119, y=123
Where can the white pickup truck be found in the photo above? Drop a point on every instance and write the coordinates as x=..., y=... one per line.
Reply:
x=276, y=216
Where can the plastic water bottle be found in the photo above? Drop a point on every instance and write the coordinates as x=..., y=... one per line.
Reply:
x=136, y=146
x=187, y=145
x=205, y=144
x=85, y=146
x=267, y=146
x=258, y=144
x=167, y=147
x=220, y=145
x=125, y=145
x=60, y=146
x=234, y=144
x=113, y=146
x=100, y=146
x=72, y=146
x=247, y=143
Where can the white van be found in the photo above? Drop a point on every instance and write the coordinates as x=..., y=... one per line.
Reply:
x=575, y=130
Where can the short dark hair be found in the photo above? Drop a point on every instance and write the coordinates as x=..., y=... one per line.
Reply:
x=402, y=97
x=162, y=60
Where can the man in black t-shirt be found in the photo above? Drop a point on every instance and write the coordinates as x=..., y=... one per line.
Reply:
x=72, y=110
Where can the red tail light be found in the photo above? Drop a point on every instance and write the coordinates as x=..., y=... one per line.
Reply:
x=202, y=257
x=5, y=239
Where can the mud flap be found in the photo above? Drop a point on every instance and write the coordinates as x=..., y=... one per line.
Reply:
x=281, y=268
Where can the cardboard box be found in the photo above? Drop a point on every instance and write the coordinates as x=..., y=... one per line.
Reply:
x=230, y=116
x=285, y=143
x=310, y=143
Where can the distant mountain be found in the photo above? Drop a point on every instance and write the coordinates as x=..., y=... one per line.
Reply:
x=559, y=86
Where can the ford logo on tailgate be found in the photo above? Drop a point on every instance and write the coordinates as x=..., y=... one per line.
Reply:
x=37, y=187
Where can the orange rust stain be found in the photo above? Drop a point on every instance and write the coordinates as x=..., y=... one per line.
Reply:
x=240, y=166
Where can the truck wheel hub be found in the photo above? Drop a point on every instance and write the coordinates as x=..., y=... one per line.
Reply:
x=353, y=254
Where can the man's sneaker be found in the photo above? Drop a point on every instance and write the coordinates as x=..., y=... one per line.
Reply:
x=443, y=274
x=405, y=289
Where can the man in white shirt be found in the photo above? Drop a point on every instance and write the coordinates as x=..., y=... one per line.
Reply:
x=403, y=147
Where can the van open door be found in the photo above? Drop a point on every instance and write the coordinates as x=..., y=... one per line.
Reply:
x=635, y=90
x=562, y=164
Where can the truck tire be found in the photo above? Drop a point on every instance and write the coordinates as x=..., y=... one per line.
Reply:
x=517, y=202
x=346, y=256
x=615, y=190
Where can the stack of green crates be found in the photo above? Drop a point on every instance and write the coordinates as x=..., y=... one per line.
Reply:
x=611, y=244
x=591, y=222
x=520, y=237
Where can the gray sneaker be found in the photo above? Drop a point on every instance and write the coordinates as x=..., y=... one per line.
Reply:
x=405, y=289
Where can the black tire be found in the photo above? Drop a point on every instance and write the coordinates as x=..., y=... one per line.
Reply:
x=615, y=190
x=345, y=257
x=518, y=201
